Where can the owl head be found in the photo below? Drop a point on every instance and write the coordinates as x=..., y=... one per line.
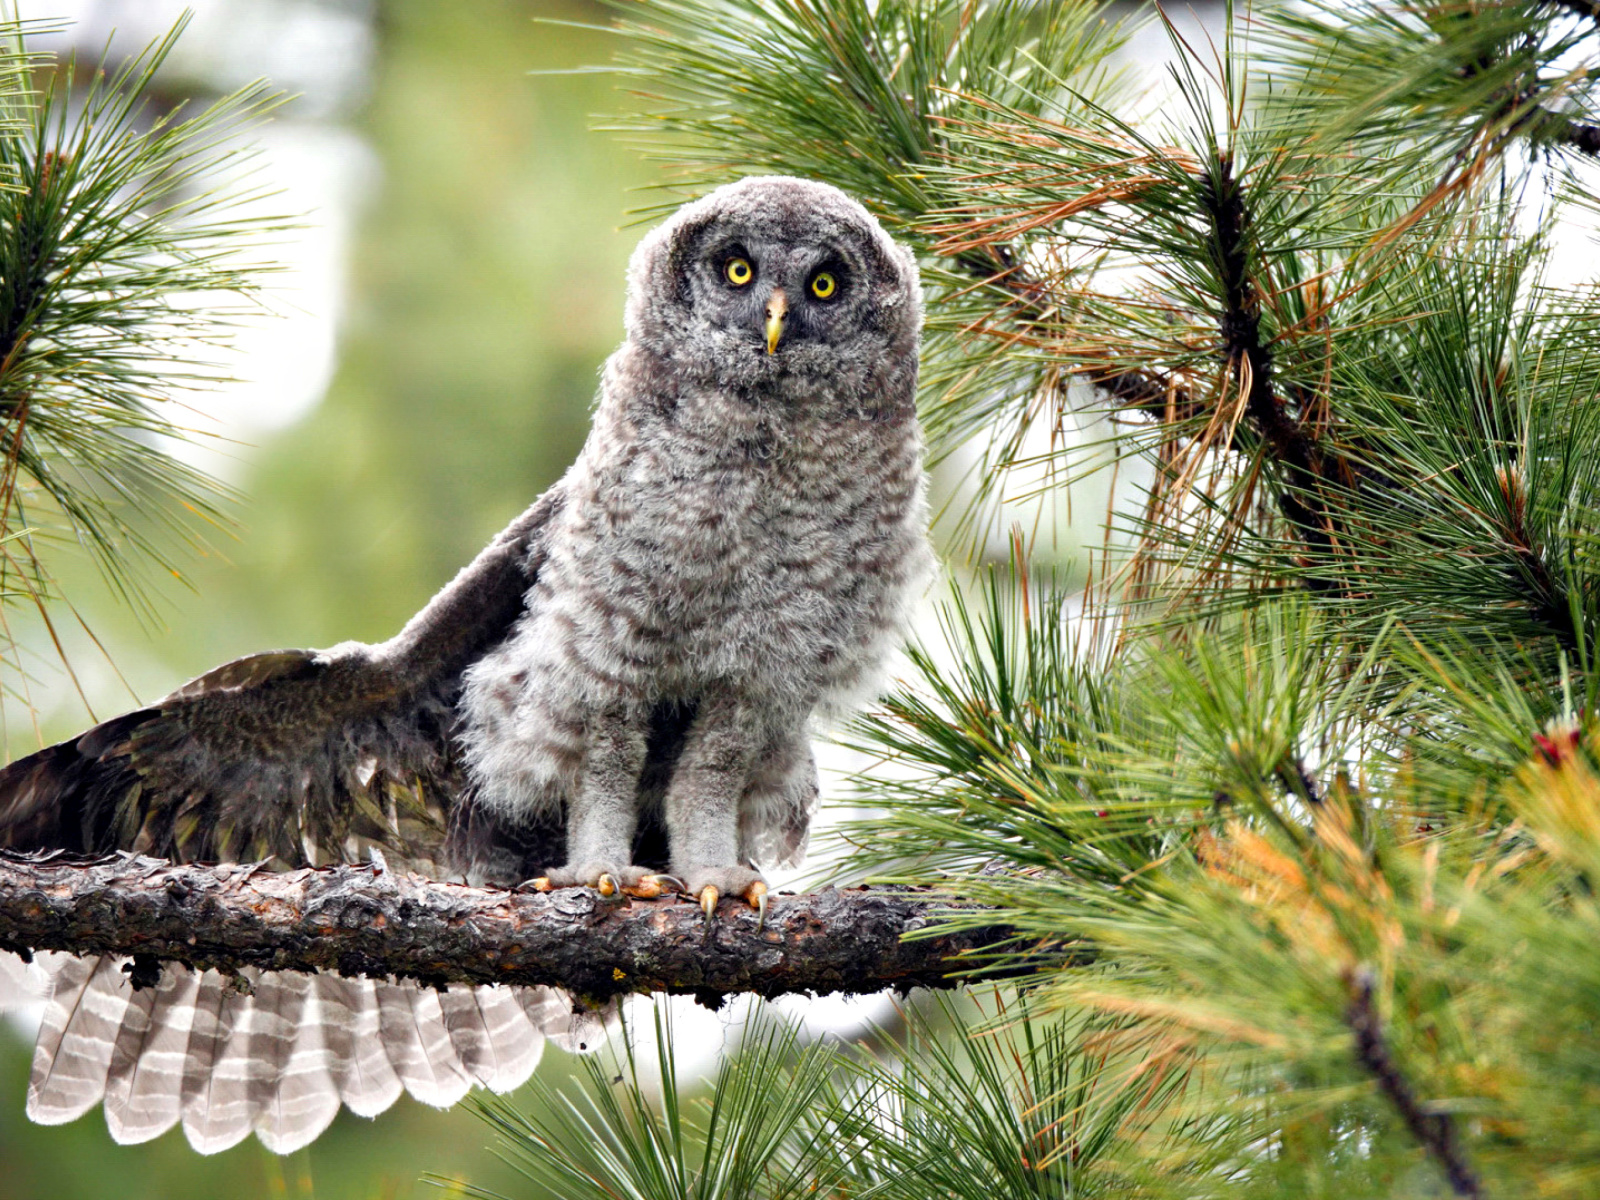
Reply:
x=782, y=288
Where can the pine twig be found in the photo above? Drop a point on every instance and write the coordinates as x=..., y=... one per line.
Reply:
x=368, y=920
x=1435, y=1131
x=1298, y=779
x=1555, y=127
x=1139, y=391
x=1251, y=362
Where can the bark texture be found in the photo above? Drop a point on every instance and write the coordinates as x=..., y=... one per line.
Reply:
x=366, y=920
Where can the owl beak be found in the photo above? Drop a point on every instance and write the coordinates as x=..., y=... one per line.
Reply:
x=777, y=309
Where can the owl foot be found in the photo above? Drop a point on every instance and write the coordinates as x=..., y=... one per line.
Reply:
x=709, y=884
x=606, y=879
x=652, y=886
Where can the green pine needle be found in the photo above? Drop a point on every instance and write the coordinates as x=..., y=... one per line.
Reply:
x=126, y=259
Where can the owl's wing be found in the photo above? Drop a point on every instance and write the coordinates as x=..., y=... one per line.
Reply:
x=302, y=756
x=305, y=757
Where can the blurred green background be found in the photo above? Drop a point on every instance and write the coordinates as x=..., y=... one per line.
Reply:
x=483, y=288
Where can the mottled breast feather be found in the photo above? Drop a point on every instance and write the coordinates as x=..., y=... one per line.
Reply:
x=742, y=527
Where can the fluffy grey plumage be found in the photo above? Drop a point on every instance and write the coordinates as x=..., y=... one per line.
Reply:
x=735, y=546
x=622, y=682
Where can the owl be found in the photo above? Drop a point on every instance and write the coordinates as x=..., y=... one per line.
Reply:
x=617, y=693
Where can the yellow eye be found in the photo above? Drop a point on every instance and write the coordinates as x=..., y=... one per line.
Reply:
x=738, y=271
x=823, y=285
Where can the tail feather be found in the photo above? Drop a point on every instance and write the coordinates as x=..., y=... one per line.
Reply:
x=276, y=1053
x=143, y=1096
x=73, y=1054
x=367, y=1082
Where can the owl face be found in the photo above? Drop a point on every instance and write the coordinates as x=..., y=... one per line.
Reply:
x=778, y=286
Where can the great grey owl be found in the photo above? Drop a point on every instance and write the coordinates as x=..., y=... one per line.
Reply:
x=616, y=693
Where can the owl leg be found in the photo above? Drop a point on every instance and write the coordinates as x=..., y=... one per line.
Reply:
x=779, y=800
x=702, y=805
x=604, y=814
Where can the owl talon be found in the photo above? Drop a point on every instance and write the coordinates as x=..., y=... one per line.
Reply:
x=756, y=896
x=541, y=884
x=708, y=900
x=606, y=885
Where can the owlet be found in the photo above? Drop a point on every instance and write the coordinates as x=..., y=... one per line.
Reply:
x=616, y=693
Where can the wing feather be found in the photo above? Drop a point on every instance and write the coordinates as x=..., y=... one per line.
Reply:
x=577, y=1031
x=518, y=1043
x=304, y=1099
x=418, y=1044
x=492, y=1036
x=304, y=757
x=22, y=984
x=276, y=1011
x=368, y=1084
x=299, y=755
x=217, y=1112
x=72, y=1056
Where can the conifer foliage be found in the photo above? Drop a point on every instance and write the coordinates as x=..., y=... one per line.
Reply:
x=128, y=251
x=1313, y=765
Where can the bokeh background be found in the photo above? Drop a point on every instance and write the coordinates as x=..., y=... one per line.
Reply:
x=424, y=367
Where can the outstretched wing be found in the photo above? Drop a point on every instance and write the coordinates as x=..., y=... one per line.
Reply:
x=302, y=756
x=306, y=757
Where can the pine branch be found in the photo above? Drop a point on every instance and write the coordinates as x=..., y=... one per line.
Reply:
x=117, y=220
x=1520, y=112
x=1299, y=780
x=1435, y=1131
x=367, y=920
x=1138, y=391
x=1250, y=362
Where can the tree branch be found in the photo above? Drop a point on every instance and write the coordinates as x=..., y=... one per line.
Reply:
x=1582, y=137
x=1299, y=456
x=367, y=920
x=1435, y=1131
x=1141, y=391
x=1250, y=360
